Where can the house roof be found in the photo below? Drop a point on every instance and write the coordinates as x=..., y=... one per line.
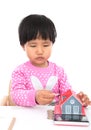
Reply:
x=66, y=96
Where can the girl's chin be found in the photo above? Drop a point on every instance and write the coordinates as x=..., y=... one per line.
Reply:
x=40, y=64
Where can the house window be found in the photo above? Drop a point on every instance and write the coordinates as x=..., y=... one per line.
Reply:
x=72, y=101
x=76, y=109
x=68, y=109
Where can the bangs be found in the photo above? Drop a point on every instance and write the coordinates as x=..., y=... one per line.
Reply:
x=37, y=26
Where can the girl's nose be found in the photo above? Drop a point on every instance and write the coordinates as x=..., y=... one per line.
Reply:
x=39, y=50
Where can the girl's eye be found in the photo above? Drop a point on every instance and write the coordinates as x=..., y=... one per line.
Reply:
x=32, y=45
x=46, y=45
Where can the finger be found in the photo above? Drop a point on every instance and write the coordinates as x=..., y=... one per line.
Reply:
x=89, y=102
x=79, y=95
x=44, y=101
x=49, y=96
x=84, y=98
x=86, y=103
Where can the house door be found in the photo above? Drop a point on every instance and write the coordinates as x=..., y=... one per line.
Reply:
x=71, y=109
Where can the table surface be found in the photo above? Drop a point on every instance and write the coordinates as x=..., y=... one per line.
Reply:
x=36, y=118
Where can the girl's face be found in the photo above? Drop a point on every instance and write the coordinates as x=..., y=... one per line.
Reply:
x=38, y=51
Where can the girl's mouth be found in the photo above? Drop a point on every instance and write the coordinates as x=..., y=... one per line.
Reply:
x=40, y=58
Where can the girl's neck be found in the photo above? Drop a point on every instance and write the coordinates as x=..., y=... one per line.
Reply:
x=42, y=65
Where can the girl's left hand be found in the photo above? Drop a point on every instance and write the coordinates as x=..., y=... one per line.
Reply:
x=84, y=99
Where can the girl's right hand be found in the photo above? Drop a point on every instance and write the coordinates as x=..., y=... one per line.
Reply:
x=44, y=97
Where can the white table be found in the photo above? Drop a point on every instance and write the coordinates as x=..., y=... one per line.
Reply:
x=35, y=118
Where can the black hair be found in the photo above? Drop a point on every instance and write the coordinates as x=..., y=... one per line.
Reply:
x=36, y=26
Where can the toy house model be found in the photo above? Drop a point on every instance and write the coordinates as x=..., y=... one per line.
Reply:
x=69, y=107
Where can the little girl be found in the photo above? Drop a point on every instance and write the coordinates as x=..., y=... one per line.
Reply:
x=38, y=81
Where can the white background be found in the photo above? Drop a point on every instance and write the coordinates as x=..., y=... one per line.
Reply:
x=72, y=49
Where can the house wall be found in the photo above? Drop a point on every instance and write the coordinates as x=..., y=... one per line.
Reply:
x=71, y=106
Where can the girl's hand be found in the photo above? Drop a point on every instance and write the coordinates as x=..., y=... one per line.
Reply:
x=84, y=99
x=44, y=97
